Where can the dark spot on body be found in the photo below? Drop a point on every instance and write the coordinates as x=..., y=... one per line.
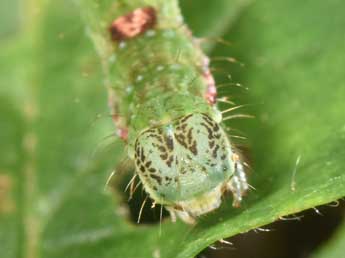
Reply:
x=184, y=119
x=164, y=156
x=189, y=136
x=170, y=160
x=211, y=144
x=208, y=120
x=156, y=136
x=181, y=139
x=152, y=170
x=183, y=127
x=169, y=142
x=157, y=178
x=216, y=127
x=167, y=180
x=162, y=149
x=214, y=153
x=142, y=155
x=137, y=152
x=209, y=130
x=193, y=149
x=217, y=135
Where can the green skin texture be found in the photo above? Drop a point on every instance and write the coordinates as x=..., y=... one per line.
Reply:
x=156, y=79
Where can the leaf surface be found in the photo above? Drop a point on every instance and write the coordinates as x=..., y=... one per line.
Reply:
x=52, y=171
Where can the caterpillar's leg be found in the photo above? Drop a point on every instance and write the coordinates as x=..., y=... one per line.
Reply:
x=183, y=215
x=238, y=184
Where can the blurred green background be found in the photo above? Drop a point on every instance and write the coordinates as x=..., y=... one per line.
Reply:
x=56, y=149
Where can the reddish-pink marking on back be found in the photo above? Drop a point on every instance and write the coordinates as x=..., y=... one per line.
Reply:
x=211, y=92
x=133, y=24
x=122, y=131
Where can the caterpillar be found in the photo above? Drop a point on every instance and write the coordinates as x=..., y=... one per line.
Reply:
x=163, y=97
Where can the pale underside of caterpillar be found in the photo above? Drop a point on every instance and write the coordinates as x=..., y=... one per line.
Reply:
x=169, y=116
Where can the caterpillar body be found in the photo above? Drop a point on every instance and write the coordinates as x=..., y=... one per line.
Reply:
x=166, y=95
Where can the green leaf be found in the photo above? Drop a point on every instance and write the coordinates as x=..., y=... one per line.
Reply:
x=212, y=18
x=52, y=173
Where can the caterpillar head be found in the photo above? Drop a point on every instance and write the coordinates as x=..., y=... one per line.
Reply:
x=184, y=160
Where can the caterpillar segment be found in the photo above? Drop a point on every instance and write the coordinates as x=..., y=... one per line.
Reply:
x=171, y=123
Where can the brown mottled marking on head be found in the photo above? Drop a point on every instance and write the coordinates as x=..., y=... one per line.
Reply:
x=185, y=118
x=215, y=127
x=169, y=142
x=209, y=130
x=214, y=153
x=167, y=180
x=151, y=130
x=181, y=139
x=142, y=155
x=152, y=170
x=133, y=24
x=137, y=152
x=157, y=178
x=211, y=144
x=189, y=136
x=217, y=135
x=138, y=161
x=211, y=123
x=170, y=161
x=164, y=156
x=183, y=127
x=193, y=148
x=162, y=149
x=136, y=145
x=155, y=135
